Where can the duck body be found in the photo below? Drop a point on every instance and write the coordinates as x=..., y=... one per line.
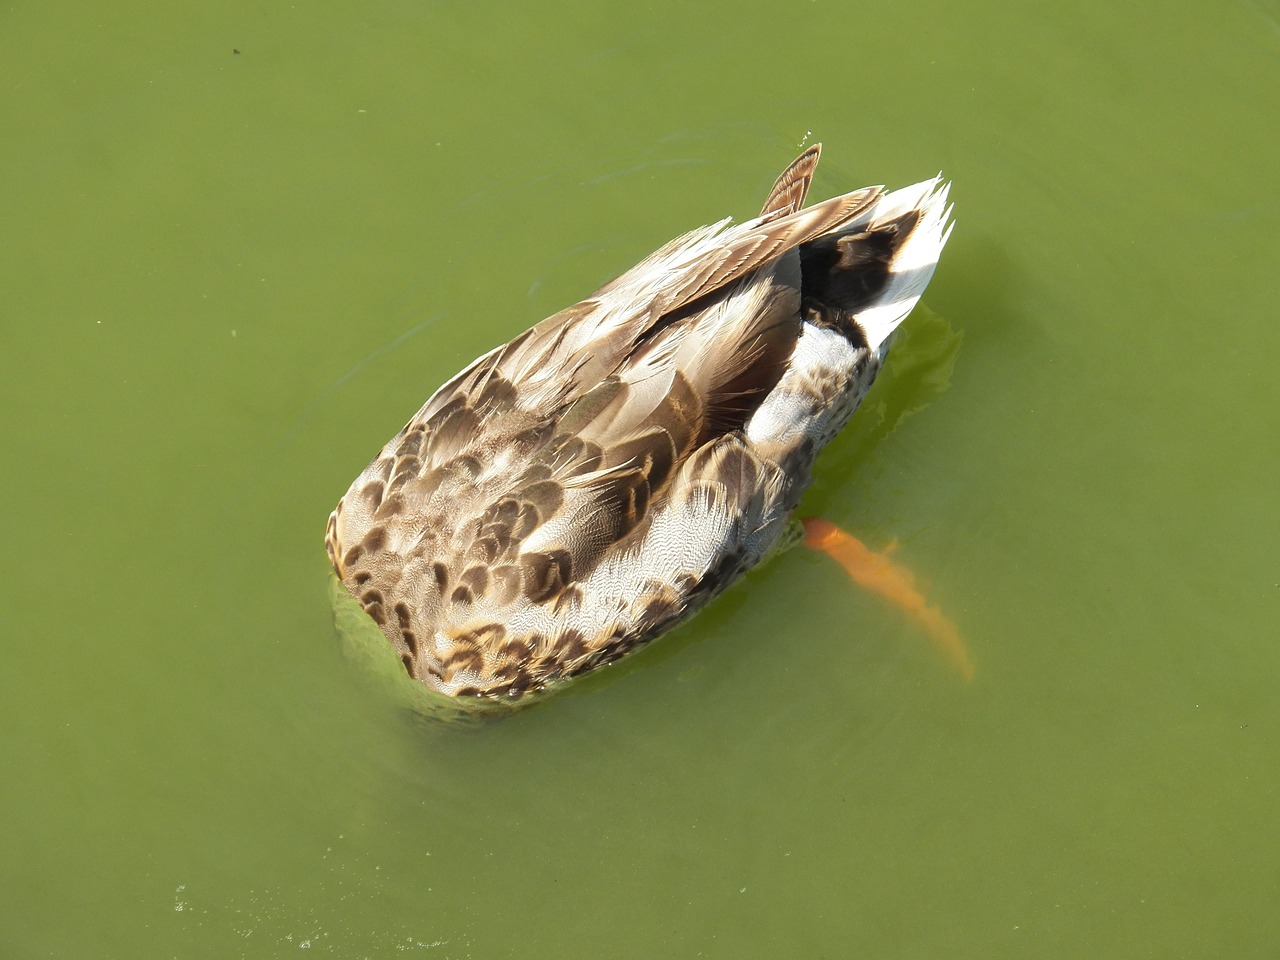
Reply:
x=578, y=491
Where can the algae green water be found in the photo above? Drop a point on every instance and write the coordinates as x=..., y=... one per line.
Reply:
x=242, y=243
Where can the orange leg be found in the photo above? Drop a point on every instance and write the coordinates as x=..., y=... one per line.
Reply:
x=876, y=572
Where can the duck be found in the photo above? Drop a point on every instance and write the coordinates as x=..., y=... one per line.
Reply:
x=578, y=491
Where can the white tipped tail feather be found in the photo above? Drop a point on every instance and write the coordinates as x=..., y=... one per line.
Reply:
x=913, y=264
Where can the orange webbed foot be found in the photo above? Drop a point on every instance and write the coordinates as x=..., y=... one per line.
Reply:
x=876, y=572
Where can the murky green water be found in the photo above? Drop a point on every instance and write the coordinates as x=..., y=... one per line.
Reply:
x=229, y=276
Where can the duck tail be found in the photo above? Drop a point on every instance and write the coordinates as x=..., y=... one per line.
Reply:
x=865, y=277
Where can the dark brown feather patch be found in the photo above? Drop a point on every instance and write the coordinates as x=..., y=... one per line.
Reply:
x=546, y=574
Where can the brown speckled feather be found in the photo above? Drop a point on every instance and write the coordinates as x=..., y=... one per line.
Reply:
x=583, y=487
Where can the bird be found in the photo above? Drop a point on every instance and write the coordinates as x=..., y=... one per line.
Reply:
x=578, y=491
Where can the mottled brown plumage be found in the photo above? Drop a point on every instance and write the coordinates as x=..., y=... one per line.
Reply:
x=577, y=491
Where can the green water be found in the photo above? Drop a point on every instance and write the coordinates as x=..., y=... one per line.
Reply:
x=228, y=277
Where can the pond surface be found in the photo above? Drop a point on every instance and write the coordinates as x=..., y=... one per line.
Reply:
x=243, y=242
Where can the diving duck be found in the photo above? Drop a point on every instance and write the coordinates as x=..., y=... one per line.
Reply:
x=578, y=491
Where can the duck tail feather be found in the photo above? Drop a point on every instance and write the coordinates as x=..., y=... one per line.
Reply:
x=866, y=277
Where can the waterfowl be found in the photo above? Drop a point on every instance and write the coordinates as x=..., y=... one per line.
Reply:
x=579, y=490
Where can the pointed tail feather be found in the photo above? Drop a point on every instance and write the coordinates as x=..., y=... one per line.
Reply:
x=914, y=256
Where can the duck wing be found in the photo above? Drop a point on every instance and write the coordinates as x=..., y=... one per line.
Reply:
x=571, y=352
